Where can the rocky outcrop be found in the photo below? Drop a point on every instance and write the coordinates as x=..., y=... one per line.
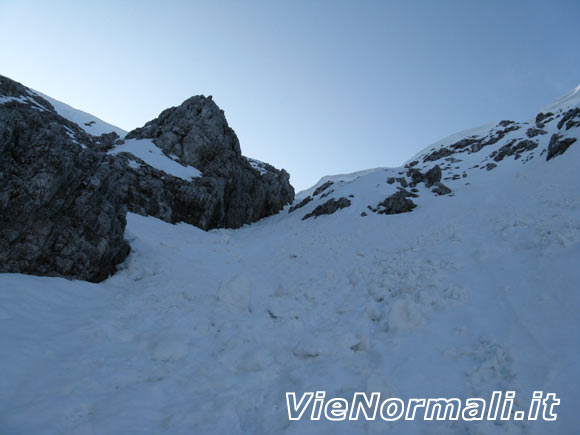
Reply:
x=570, y=119
x=300, y=204
x=533, y=132
x=438, y=154
x=60, y=210
x=322, y=188
x=514, y=148
x=441, y=189
x=558, y=145
x=397, y=203
x=231, y=192
x=432, y=176
x=329, y=207
x=64, y=197
x=196, y=132
x=543, y=118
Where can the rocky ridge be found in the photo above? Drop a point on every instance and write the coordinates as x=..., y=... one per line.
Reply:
x=65, y=193
x=450, y=164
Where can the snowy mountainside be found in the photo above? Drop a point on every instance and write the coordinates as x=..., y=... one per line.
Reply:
x=455, y=294
x=89, y=123
x=463, y=158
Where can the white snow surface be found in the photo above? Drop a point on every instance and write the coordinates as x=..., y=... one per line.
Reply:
x=257, y=165
x=571, y=99
x=89, y=123
x=204, y=332
x=151, y=154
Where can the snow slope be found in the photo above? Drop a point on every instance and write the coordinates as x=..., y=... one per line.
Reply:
x=89, y=123
x=204, y=332
x=151, y=154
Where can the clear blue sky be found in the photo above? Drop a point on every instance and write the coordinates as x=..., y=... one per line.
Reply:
x=316, y=87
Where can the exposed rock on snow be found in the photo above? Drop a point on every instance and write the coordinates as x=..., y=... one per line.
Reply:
x=533, y=132
x=558, y=145
x=300, y=204
x=323, y=188
x=543, y=118
x=432, y=176
x=231, y=192
x=441, y=189
x=438, y=154
x=514, y=149
x=329, y=207
x=570, y=119
x=397, y=203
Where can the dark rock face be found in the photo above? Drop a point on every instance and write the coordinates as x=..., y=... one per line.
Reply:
x=63, y=199
x=514, y=148
x=438, y=154
x=533, y=132
x=441, y=189
x=543, y=118
x=196, y=131
x=570, y=119
x=469, y=142
x=300, y=204
x=60, y=212
x=322, y=188
x=206, y=202
x=231, y=192
x=432, y=176
x=329, y=207
x=397, y=203
x=558, y=145
x=506, y=122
